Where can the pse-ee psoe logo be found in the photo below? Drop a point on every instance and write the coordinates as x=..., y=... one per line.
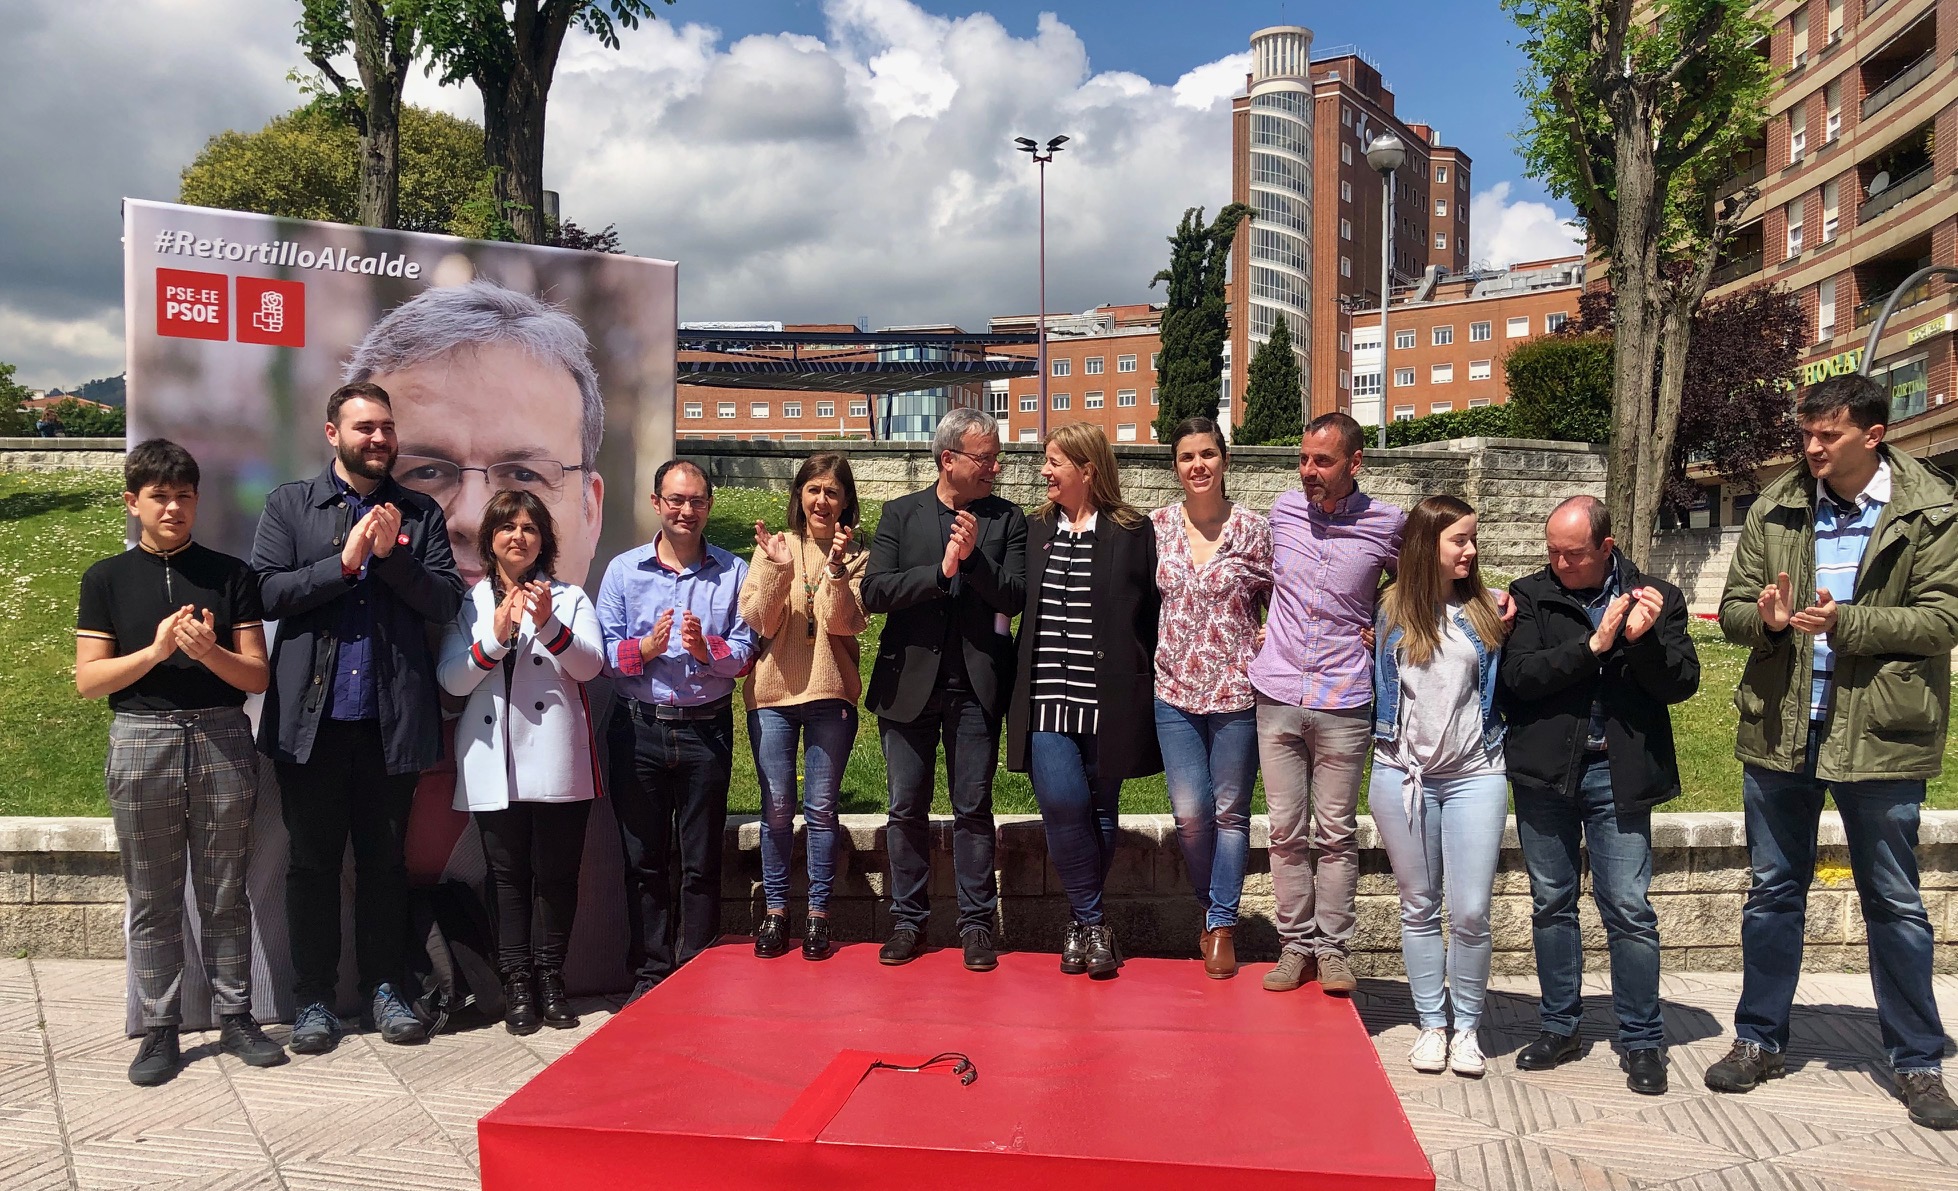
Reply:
x=193, y=305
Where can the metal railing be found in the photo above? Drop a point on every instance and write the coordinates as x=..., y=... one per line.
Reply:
x=1913, y=183
x=1746, y=177
x=1736, y=269
x=1902, y=81
x=1867, y=312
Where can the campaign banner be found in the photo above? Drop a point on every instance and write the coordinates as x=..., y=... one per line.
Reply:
x=508, y=365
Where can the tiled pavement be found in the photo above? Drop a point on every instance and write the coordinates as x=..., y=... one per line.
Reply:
x=374, y=1116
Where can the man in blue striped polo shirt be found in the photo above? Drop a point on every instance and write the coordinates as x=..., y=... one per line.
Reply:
x=1845, y=585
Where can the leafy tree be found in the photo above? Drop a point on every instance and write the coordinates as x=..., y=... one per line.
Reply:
x=509, y=50
x=1637, y=109
x=109, y=390
x=1195, y=319
x=79, y=419
x=1560, y=387
x=383, y=47
x=15, y=422
x=1272, y=393
x=305, y=164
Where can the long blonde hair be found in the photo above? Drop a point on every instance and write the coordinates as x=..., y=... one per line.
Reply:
x=1414, y=602
x=1087, y=448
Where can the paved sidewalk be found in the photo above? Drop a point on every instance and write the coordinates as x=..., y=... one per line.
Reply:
x=375, y=1116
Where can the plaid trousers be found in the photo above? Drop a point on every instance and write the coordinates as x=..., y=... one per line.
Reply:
x=185, y=782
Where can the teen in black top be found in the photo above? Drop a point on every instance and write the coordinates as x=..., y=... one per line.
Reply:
x=124, y=598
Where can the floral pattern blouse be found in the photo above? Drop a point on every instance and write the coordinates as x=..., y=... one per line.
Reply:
x=1208, y=632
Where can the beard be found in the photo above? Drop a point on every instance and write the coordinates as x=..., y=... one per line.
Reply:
x=359, y=464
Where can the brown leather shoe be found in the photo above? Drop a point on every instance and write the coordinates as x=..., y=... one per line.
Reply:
x=1219, y=953
x=1334, y=974
x=1293, y=970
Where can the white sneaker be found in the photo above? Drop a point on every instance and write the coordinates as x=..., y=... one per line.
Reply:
x=1465, y=1056
x=1430, y=1053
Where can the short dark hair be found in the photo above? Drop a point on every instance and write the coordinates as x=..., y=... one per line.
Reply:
x=158, y=461
x=359, y=389
x=1599, y=514
x=1351, y=436
x=827, y=463
x=1198, y=425
x=659, y=477
x=1865, y=401
x=501, y=510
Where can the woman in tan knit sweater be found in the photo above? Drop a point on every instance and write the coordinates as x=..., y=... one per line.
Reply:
x=804, y=594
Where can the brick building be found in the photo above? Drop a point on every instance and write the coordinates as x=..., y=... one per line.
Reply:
x=1102, y=369
x=713, y=411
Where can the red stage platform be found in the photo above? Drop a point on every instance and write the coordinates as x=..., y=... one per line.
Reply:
x=747, y=1073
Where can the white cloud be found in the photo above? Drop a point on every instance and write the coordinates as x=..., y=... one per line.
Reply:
x=1502, y=232
x=52, y=352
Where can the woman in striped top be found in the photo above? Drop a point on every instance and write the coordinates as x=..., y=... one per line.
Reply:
x=1082, y=717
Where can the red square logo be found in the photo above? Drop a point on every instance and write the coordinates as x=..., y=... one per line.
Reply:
x=271, y=312
x=192, y=305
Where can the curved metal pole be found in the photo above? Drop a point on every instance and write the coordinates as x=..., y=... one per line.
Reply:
x=1890, y=306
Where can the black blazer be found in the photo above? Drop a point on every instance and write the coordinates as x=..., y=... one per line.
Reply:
x=903, y=581
x=297, y=557
x=1549, y=677
x=1127, y=605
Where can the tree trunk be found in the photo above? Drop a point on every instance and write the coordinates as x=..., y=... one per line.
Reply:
x=1675, y=337
x=383, y=62
x=1637, y=315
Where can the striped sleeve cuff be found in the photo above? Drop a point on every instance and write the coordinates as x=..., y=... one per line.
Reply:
x=100, y=636
x=483, y=661
x=631, y=665
x=558, y=644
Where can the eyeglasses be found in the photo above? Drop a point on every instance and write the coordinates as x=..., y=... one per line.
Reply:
x=985, y=462
x=698, y=504
x=440, y=478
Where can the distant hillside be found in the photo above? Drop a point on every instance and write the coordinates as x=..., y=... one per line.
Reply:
x=109, y=390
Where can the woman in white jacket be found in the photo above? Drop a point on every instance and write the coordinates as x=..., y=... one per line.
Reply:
x=521, y=650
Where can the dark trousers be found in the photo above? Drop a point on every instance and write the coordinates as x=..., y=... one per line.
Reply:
x=669, y=784
x=346, y=793
x=971, y=741
x=533, y=850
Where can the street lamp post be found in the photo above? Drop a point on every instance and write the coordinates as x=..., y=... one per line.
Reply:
x=1040, y=352
x=1386, y=153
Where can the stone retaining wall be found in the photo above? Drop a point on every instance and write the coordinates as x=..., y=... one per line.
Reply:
x=61, y=454
x=61, y=892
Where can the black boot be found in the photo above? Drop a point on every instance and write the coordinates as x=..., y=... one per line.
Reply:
x=557, y=1007
x=519, y=1003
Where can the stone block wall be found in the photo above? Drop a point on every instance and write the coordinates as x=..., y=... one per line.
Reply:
x=61, y=891
x=61, y=454
x=1696, y=560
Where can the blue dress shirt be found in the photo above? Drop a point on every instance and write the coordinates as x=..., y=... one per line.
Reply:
x=637, y=588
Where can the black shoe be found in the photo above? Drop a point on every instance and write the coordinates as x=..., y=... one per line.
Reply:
x=556, y=1006
x=1745, y=1068
x=157, y=1059
x=1074, y=950
x=1930, y=1105
x=906, y=944
x=979, y=953
x=519, y=1004
x=239, y=1035
x=1103, y=959
x=1548, y=1051
x=772, y=939
x=816, y=942
x=1645, y=1070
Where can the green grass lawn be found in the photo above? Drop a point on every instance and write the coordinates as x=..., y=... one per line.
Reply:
x=52, y=525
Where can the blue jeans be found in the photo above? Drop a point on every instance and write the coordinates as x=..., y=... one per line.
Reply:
x=828, y=728
x=1620, y=853
x=1209, y=762
x=1879, y=819
x=1079, y=809
x=1453, y=856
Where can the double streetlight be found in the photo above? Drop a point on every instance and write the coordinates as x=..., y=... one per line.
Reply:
x=1386, y=153
x=1041, y=158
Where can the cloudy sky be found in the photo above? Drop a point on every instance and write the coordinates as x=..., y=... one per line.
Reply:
x=804, y=160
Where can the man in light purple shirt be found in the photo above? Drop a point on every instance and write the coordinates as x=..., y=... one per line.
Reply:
x=1314, y=679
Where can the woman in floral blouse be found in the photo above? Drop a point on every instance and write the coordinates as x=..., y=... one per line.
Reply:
x=1214, y=571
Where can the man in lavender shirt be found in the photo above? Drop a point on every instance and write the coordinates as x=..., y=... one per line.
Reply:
x=1314, y=679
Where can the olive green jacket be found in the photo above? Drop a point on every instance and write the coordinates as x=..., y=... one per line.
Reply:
x=1892, y=644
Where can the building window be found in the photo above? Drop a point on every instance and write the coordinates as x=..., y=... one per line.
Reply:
x=726, y=437
x=1345, y=191
x=1554, y=322
x=826, y=409
x=1441, y=207
x=1346, y=115
x=1342, y=341
x=1441, y=374
x=1832, y=112
x=1125, y=363
x=1366, y=384
x=1797, y=132
x=1057, y=401
x=1477, y=402
x=1443, y=336
x=1835, y=21
x=724, y=409
x=1092, y=366
x=1343, y=382
x=1155, y=396
x=1125, y=397
x=1345, y=153
x=1440, y=407
x=1441, y=175
x=1125, y=432
x=758, y=437
x=1825, y=309
x=860, y=409
x=1063, y=367
x=1441, y=239
x=1798, y=35
x=1794, y=218
x=1155, y=361
x=1029, y=434
x=1403, y=413
x=1516, y=328
x=1403, y=341
x=1029, y=403
x=792, y=409
x=1831, y=209
x=1403, y=377
x=758, y=409
x=1345, y=266
x=1479, y=332
x=1479, y=369
x=695, y=410
x=791, y=438
x=1091, y=400
x=1346, y=229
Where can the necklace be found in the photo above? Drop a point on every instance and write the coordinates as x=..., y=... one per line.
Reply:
x=808, y=588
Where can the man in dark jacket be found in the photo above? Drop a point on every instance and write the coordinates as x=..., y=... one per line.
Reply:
x=1598, y=653
x=354, y=568
x=949, y=565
